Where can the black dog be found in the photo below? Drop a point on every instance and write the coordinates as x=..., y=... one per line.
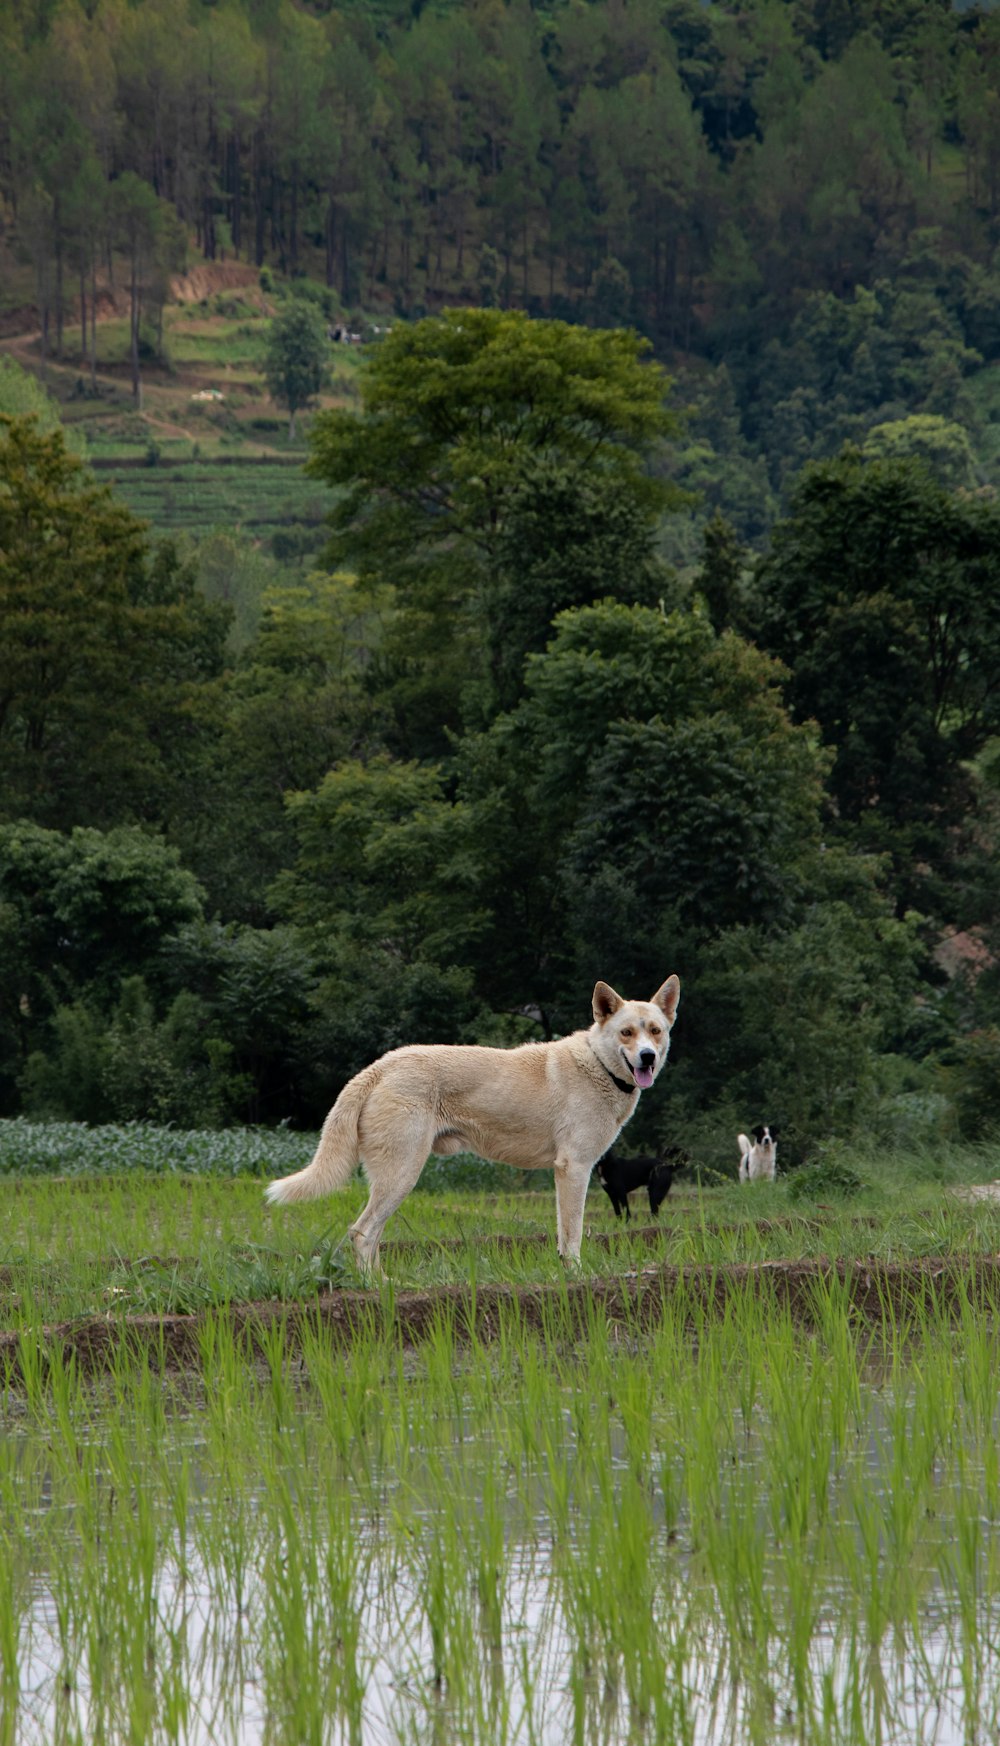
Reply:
x=618, y=1177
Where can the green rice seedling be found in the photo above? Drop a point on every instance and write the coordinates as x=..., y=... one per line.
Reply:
x=346, y=1568
x=11, y=1603
x=717, y=1524
x=303, y=1651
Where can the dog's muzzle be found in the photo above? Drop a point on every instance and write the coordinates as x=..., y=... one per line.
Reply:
x=642, y=1073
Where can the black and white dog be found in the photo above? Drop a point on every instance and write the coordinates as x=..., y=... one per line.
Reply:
x=759, y=1155
x=619, y=1176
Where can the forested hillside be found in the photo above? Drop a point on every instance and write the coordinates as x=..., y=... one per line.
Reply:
x=803, y=196
x=659, y=624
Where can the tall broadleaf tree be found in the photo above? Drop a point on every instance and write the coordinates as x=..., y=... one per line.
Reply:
x=461, y=412
x=104, y=647
x=297, y=359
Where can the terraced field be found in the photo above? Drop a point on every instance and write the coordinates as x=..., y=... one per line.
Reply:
x=252, y=494
x=208, y=448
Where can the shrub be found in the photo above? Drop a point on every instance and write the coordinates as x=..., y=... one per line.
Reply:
x=974, y=1083
x=828, y=1177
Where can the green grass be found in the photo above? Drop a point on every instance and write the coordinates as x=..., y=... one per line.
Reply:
x=143, y=1219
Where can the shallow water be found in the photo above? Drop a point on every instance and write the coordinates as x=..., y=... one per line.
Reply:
x=913, y=1690
x=232, y=1617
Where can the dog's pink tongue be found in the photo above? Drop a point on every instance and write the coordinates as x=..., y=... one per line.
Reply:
x=643, y=1077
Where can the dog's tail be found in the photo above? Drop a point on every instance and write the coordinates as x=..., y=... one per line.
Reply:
x=337, y=1153
x=743, y=1143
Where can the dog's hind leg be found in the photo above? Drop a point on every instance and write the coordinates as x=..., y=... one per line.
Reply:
x=392, y=1168
x=571, y=1196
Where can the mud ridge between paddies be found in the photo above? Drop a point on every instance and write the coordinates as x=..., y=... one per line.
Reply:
x=872, y=1294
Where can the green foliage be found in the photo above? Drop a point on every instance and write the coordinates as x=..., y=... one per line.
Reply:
x=566, y=541
x=235, y=574
x=295, y=702
x=881, y=594
x=974, y=1083
x=590, y=800
x=382, y=853
x=249, y=498
x=91, y=906
x=820, y=1181
x=80, y=913
x=943, y=445
x=849, y=365
x=251, y=1024
x=296, y=363
x=52, y=1148
x=793, y=1023
x=102, y=645
x=23, y=396
x=475, y=425
x=456, y=406
x=130, y=1068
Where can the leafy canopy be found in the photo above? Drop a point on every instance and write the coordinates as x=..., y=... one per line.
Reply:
x=456, y=407
x=296, y=362
x=882, y=594
x=102, y=645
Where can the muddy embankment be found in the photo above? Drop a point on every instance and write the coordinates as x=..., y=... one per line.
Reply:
x=873, y=1294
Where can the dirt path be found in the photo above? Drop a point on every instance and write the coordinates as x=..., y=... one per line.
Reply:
x=873, y=1294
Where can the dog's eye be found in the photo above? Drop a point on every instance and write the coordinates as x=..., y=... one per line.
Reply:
x=628, y=1031
x=654, y=1030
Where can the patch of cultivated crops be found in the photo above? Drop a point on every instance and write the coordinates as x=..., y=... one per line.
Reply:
x=198, y=496
x=74, y=1149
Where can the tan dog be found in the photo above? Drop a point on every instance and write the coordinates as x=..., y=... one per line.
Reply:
x=541, y=1106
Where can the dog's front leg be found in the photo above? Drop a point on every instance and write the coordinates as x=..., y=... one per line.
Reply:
x=571, y=1197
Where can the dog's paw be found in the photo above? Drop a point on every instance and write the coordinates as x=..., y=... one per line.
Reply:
x=572, y=1264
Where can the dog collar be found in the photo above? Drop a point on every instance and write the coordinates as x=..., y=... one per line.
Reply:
x=622, y=1084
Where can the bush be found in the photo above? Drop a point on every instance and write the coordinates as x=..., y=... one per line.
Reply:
x=974, y=1083
x=134, y=1068
x=828, y=1177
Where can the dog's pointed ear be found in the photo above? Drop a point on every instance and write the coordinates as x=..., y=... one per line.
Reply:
x=606, y=1002
x=667, y=997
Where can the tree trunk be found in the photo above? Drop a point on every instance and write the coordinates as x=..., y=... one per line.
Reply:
x=59, y=287
x=237, y=202
x=294, y=243
x=330, y=240
x=134, y=290
x=259, y=217
x=93, y=321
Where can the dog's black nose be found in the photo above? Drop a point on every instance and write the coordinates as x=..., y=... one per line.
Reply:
x=647, y=1057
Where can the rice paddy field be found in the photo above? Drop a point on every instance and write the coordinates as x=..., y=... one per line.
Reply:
x=736, y=1478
